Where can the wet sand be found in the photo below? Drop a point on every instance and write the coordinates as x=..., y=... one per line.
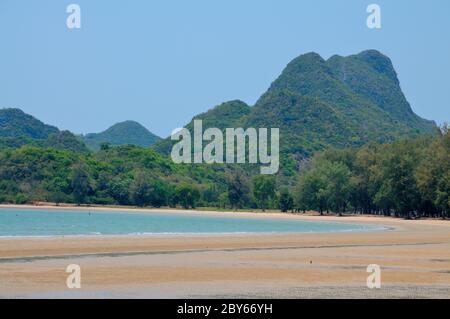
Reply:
x=414, y=257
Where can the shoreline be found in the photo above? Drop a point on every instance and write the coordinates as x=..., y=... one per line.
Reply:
x=414, y=258
x=197, y=235
x=271, y=214
x=362, y=225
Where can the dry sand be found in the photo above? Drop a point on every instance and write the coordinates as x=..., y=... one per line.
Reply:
x=414, y=257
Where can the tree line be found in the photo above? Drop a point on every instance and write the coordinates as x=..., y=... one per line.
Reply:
x=407, y=179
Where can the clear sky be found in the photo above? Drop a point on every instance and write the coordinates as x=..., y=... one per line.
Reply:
x=161, y=62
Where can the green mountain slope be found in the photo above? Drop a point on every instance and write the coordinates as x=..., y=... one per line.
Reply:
x=362, y=90
x=124, y=133
x=317, y=103
x=65, y=140
x=16, y=123
x=18, y=129
x=306, y=124
x=228, y=114
x=372, y=75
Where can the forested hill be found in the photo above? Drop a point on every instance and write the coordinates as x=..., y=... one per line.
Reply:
x=124, y=133
x=18, y=129
x=228, y=114
x=317, y=103
x=15, y=122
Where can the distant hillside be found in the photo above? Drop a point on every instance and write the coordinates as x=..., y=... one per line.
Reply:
x=18, y=129
x=372, y=75
x=65, y=140
x=124, y=133
x=16, y=123
x=345, y=101
x=228, y=114
x=317, y=103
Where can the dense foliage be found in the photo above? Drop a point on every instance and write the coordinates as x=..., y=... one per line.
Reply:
x=18, y=129
x=340, y=102
x=409, y=178
x=14, y=123
x=125, y=175
x=406, y=179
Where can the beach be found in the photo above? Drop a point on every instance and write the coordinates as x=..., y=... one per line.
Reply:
x=413, y=255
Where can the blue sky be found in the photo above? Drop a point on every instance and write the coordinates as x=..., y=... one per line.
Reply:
x=162, y=62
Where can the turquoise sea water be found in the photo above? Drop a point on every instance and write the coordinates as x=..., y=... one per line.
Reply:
x=27, y=222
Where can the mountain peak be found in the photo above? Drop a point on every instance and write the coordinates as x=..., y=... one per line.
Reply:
x=360, y=92
x=309, y=56
x=12, y=110
x=305, y=61
x=126, y=124
x=372, y=52
x=379, y=62
x=123, y=133
x=18, y=128
x=15, y=122
x=302, y=74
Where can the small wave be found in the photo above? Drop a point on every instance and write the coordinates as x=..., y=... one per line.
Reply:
x=199, y=234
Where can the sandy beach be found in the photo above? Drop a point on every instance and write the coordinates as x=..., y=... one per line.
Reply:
x=414, y=257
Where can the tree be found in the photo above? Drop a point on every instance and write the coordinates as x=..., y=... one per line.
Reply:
x=286, y=200
x=211, y=195
x=398, y=183
x=188, y=195
x=158, y=193
x=442, y=156
x=57, y=197
x=140, y=190
x=432, y=175
x=338, y=186
x=363, y=179
x=119, y=189
x=223, y=200
x=81, y=185
x=21, y=199
x=172, y=197
x=326, y=184
x=237, y=191
x=264, y=188
x=442, y=200
x=310, y=189
x=105, y=146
